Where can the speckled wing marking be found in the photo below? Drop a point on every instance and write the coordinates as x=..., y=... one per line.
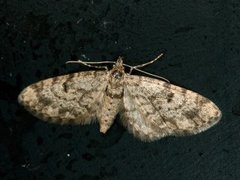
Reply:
x=154, y=109
x=73, y=98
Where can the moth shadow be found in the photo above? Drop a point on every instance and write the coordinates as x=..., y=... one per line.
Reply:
x=113, y=136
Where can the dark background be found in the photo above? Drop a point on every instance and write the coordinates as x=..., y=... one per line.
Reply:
x=200, y=40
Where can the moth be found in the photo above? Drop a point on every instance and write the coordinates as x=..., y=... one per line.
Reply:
x=150, y=108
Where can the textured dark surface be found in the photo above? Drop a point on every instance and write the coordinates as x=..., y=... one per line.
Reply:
x=201, y=45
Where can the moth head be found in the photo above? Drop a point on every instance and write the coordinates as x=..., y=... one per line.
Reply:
x=117, y=71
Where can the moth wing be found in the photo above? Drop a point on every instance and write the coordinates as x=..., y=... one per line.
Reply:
x=73, y=98
x=154, y=109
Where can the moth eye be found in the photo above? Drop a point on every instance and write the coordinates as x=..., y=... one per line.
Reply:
x=117, y=74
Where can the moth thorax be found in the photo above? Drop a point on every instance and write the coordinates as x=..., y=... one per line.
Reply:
x=117, y=74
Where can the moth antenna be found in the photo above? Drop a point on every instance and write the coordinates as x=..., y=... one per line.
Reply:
x=145, y=72
x=91, y=64
x=145, y=64
x=88, y=64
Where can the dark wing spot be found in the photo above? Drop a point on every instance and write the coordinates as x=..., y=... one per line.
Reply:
x=204, y=101
x=191, y=114
x=170, y=97
x=217, y=114
x=34, y=86
x=45, y=100
x=70, y=77
x=166, y=85
x=55, y=79
x=184, y=90
x=65, y=87
x=63, y=111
